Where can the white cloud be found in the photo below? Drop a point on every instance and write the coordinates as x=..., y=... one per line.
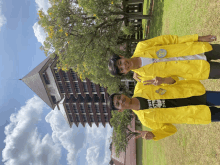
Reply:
x=39, y=33
x=25, y=146
x=108, y=140
x=38, y=30
x=43, y=4
x=72, y=139
x=2, y=17
x=95, y=137
x=23, y=142
x=76, y=138
x=92, y=155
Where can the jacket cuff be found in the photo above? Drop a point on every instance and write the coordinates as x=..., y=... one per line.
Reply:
x=157, y=135
x=195, y=37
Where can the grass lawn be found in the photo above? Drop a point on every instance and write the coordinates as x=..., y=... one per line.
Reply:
x=146, y=9
x=192, y=144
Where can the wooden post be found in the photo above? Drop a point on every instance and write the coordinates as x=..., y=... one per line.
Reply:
x=138, y=15
x=133, y=7
x=129, y=2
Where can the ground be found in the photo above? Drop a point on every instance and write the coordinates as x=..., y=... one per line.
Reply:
x=192, y=144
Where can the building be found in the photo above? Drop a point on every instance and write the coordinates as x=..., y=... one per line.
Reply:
x=79, y=101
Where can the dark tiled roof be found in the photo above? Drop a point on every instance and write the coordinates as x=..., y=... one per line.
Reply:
x=35, y=83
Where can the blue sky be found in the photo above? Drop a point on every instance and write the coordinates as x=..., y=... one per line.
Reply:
x=30, y=132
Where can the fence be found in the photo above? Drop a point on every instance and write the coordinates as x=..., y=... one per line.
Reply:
x=134, y=9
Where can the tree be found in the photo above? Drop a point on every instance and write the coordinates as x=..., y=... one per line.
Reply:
x=82, y=41
x=107, y=8
x=85, y=38
x=121, y=133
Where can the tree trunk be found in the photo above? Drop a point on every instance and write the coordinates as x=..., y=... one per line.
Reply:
x=129, y=40
x=138, y=16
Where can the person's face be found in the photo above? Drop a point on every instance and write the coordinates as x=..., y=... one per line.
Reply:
x=124, y=65
x=121, y=102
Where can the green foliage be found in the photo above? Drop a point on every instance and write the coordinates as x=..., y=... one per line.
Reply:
x=84, y=38
x=121, y=134
x=101, y=7
x=128, y=30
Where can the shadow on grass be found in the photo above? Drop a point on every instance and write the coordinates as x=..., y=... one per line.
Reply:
x=157, y=23
x=139, y=146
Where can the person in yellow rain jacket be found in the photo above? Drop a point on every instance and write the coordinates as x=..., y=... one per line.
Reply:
x=158, y=107
x=169, y=55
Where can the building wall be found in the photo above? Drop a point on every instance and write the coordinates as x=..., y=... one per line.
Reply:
x=85, y=102
x=52, y=86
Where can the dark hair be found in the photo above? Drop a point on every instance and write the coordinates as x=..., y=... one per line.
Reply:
x=111, y=103
x=112, y=65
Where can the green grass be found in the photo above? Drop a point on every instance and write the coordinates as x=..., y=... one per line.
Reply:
x=157, y=20
x=139, y=145
x=153, y=153
x=192, y=144
x=146, y=8
x=139, y=151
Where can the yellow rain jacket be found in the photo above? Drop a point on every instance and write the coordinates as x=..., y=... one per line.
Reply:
x=160, y=119
x=180, y=89
x=175, y=47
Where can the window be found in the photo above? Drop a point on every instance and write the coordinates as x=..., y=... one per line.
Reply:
x=99, y=118
x=93, y=87
x=88, y=98
x=54, y=99
x=68, y=100
x=106, y=118
x=73, y=75
x=77, y=118
x=82, y=108
x=75, y=108
x=85, y=87
x=97, y=108
x=61, y=87
x=46, y=79
x=103, y=98
x=69, y=89
x=104, y=108
x=65, y=76
x=89, y=108
x=102, y=89
x=57, y=76
x=71, y=118
x=84, y=118
x=92, y=118
x=96, y=98
x=77, y=87
x=68, y=108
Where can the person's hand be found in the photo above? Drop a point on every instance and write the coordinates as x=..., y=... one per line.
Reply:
x=148, y=136
x=143, y=133
x=156, y=81
x=208, y=38
x=137, y=77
